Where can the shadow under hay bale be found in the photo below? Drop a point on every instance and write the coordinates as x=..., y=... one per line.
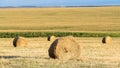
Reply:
x=106, y=40
x=51, y=38
x=20, y=42
x=64, y=48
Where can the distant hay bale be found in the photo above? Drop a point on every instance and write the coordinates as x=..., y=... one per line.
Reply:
x=64, y=48
x=106, y=39
x=20, y=42
x=51, y=38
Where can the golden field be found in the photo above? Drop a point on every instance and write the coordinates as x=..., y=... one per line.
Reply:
x=94, y=54
x=92, y=19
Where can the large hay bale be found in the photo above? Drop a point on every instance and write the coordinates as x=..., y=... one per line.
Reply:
x=51, y=38
x=20, y=42
x=106, y=39
x=64, y=48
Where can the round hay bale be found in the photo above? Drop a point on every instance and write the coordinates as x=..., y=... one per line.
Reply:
x=64, y=48
x=20, y=42
x=51, y=38
x=106, y=39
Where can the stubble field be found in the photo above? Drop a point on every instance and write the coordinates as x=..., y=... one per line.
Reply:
x=92, y=19
x=94, y=54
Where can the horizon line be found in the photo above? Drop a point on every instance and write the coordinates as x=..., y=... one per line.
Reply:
x=56, y=6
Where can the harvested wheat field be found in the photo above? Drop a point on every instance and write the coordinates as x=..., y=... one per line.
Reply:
x=98, y=19
x=93, y=53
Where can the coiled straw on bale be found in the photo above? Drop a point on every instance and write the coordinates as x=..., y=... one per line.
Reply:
x=20, y=42
x=106, y=39
x=51, y=38
x=64, y=48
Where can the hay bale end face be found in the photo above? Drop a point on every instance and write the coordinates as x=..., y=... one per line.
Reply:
x=20, y=42
x=51, y=38
x=106, y=40
x=64, y=48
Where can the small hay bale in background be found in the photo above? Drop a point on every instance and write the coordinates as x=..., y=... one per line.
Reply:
x=20, y=42
x=64, y=48
x=51, y=38
x=106, y=39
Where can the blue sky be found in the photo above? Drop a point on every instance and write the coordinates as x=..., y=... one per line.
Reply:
x=58, y=2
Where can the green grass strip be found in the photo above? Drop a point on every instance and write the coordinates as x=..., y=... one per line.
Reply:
x=57, y=34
